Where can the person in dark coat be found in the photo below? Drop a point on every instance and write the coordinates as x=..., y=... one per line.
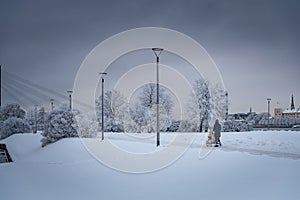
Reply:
x=217, y=132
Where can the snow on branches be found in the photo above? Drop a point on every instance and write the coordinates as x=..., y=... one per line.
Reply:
x=12, y=120
x=59, y=123
x=115, y=106
x=204, y=106
x=143, y=111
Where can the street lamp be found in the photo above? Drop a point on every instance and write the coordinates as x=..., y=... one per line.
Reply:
x=52, y=103
x=35, y=118
x=226, y=96
x=0, y=85
x=269, y=100
x=70, y=97
x=157, y=52
x=102, y=75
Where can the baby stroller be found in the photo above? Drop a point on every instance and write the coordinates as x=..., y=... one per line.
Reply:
x=211, y=140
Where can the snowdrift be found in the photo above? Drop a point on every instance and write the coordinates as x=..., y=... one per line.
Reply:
x=252, y=165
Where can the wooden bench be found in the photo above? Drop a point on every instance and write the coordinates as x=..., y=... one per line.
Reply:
x=4, y=155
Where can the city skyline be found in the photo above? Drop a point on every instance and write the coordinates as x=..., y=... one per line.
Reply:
x=255, y=44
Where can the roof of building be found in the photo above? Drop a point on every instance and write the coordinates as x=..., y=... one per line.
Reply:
x=288, y=111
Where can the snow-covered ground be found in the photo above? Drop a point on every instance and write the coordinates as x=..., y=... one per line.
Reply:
x=251, y=165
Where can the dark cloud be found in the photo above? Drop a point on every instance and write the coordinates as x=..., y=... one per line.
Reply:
x=46, y=41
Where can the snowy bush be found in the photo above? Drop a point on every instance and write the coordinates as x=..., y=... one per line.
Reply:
x=59, y=124
x=165, y=119
x=12, y=120
x=174, y=126
x=235, y=126
x=11, y=110
x=12, y=126
x=88, y=126
x=131, y=127
x=187, y=126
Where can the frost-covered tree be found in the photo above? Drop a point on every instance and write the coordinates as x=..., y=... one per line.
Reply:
x=143, y=111
x=41, y=119
x=11, y=110
x=59, y=123
x=13, y=125
x=30, y=118
x=137, y=120
x=204, y=105
x=147, y=97
x=115, y=108
x=199, y=105
x=165, y=119
x=192, y=116
x=88, y=126
x=139, y=114
x=12, y=120
x=36, y=117
x=143, y=120
x=218, y=104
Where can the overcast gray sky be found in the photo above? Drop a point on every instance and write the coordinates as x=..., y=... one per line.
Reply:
x=255, y=43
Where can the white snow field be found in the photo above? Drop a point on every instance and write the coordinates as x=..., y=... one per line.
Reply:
x=252, y=165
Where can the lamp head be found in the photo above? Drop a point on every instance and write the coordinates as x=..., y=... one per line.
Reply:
x=157, y=51
x=102, y=74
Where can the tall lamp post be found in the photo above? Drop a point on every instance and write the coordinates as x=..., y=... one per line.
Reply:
x=0, y=86
x=102, y=75
x=70, y=98
x=226, y=96
x=35, y=118
x=52, y=103
x=157, y=52
x=269, y=100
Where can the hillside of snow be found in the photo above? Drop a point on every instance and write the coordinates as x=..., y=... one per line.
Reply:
x=250, y=165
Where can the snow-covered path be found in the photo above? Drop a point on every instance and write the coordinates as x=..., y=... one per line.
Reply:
x=283, y=144
x=263, y=152
x=243, y=168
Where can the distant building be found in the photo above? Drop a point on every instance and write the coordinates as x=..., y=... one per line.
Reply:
x=292, y=103
x=278, y=113
x=292, y=112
